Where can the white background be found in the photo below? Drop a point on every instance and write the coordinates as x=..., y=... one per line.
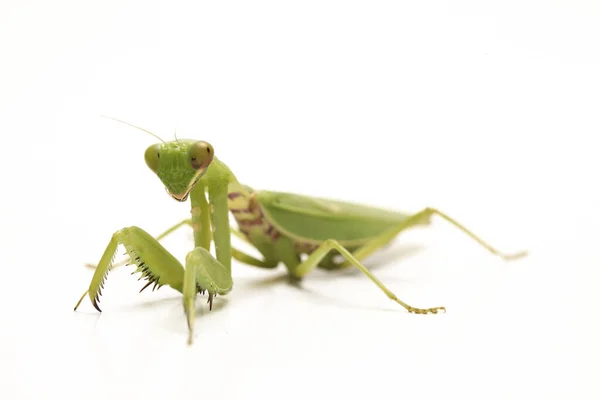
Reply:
x=489, y=113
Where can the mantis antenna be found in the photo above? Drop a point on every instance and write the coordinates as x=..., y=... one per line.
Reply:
x=134, y=126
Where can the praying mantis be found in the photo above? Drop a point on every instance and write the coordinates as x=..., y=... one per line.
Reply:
x=283, y=227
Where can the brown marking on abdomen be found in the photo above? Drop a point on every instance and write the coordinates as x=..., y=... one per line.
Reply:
x=249, y=216
x=240, y=211
x=250, y=222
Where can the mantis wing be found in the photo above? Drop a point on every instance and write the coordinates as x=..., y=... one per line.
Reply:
x=319, y=219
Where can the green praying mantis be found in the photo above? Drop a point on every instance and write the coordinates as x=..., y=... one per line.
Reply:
x=283, y=227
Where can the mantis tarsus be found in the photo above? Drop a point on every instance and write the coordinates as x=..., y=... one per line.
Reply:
x=281, y=226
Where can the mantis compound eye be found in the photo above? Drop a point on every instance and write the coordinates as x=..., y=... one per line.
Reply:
x=152, y=157
x=201, y=154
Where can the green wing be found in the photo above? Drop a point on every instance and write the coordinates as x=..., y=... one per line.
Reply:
x=320, y=219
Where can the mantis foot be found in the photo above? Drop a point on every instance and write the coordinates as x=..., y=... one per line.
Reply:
x=433, y=310
x=515, y=256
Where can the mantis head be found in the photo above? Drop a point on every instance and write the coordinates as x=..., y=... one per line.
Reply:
x=179, y=164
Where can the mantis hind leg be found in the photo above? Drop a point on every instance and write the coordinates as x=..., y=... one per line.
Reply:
x=302, y=269
x=417, y=219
